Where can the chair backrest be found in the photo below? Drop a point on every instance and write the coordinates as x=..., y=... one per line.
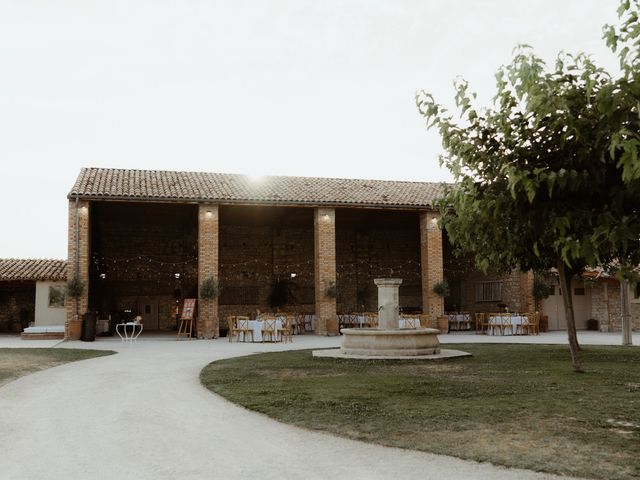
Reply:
x=289, y=320
x=269, y=324
x=411, y=322
x=231, y=323
x=242, y=323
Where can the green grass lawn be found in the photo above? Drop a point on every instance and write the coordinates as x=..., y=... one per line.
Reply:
x=513, y=405
x=17, y=362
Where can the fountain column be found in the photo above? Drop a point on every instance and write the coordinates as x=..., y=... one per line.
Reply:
x=388, y=302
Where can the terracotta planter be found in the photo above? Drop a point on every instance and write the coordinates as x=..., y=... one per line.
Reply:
x=75, y=329
x=544, y=323
x=443, y=324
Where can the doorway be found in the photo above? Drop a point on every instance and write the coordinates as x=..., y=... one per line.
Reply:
x=148, y=308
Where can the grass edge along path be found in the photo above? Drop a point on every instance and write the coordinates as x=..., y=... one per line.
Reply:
x=512, y=405
x=18, y=362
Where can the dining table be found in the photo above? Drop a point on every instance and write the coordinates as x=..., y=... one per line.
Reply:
x=515, y=320
x=457, y=320
x=256, y=327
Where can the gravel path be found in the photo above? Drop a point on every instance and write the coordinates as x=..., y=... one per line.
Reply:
x=142, y=414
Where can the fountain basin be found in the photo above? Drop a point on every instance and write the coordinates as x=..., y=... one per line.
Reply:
x=390, y=342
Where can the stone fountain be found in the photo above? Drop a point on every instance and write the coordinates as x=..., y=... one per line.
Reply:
x=388, y=340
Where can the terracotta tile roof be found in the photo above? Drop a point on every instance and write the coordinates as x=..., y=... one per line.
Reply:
x=32, y=269
x=108, y=183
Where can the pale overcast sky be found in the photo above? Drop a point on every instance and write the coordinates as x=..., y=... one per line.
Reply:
x=299, y=87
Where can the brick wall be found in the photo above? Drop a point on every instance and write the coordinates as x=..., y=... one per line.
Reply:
x=431, y=254
x=254, y=257
x=253, y=248
x=140, y=247
x=325, y=270
x=17, y=305
x=208, y=322
x=374, y=244
x=78, y=242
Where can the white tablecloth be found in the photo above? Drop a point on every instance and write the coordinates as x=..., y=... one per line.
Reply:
x=456, y=319
x=256, y=326
x=309, y=322
x=515, y=320
x=364, y=321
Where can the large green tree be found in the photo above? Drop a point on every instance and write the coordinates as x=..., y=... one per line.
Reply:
x=548, y=176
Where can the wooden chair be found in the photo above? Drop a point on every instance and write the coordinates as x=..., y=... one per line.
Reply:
x=524, y=327
x=454, y=321
x=269, y=328
x=232, y=330
x=494, y=323
x=534, y=323
x=298, y=324
x=506, y=323
x=465, y=321
x=371, y=320
x=411, y=322
x=307, y=322
x=285, y=331
x=242, y=326
x=482, y=322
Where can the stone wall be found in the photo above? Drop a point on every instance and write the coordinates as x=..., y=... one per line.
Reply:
x=517, y=292
x=606, y=306
x=17, y=305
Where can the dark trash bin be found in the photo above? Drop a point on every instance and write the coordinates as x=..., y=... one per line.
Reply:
x=88, y=327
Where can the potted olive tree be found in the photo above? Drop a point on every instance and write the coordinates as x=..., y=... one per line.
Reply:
x=75, y=289
x=441, y=289
x=209, y=290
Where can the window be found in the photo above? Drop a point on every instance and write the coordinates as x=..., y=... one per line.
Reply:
x=489, y=291
x=57, y=296
x=578, y=291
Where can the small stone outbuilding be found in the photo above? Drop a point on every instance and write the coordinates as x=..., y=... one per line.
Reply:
x=32, y=292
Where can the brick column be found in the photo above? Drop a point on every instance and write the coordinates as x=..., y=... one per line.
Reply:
x=431, y=262
x=208, y=324
x=80, y=264
x=527, y=302
x=325, y=270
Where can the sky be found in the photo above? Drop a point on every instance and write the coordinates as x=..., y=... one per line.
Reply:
x=300, y=87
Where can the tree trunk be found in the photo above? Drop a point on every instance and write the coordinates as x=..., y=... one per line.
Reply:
x=626, y=316
x=565, y=284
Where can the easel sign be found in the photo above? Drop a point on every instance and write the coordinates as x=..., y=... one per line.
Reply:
x=188, y=309
x=186, y=320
